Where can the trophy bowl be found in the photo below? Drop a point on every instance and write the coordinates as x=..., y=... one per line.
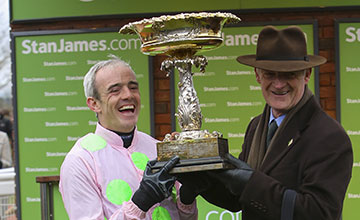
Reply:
x=182, y=34
x=180, y=37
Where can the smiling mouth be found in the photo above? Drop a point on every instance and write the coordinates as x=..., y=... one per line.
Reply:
x=280, y=92
x=127, y=108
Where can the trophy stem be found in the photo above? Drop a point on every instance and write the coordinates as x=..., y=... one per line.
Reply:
x=189, y=112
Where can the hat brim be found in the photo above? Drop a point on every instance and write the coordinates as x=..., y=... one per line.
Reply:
x=282, y=65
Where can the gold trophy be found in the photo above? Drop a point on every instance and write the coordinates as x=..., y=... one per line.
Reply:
x=180, y=37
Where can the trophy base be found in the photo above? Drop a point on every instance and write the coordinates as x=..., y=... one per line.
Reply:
x=192, y=165
x=195, y=154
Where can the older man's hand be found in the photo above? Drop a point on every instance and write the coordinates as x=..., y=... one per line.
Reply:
x=234, y=179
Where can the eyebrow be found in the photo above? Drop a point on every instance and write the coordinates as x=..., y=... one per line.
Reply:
x=133, y=83
x=120, y=84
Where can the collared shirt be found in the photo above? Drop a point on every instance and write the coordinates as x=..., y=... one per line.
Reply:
x=278, y=120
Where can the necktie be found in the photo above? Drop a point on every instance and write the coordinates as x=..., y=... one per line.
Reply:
x=271, y=131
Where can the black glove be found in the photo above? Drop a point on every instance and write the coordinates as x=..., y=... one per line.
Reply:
x=192, y=185
x=234, y=179
x=155, y=187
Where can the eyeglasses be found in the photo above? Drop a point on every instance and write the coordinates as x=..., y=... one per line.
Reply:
x=281, y=75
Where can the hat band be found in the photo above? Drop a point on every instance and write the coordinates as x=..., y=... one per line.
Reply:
x=304, y=58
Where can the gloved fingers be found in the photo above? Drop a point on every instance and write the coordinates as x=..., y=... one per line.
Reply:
x=185, y=177
x=170, y=182
x=216, y=174
x=205, y=180
x=232, y=160
x=167, y=185
x=187, y=195
x=198, y=182
x=148, y=169
x=237, y=162
x=170, y=164
x=151, y=163
x=199, y=178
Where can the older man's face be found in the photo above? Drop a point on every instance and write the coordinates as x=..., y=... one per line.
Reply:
x=282, y=91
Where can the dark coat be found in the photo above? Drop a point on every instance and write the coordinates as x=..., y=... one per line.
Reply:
x=313, y=156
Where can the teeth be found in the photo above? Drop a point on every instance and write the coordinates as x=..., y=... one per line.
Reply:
x=127, y=107
x=280, y=93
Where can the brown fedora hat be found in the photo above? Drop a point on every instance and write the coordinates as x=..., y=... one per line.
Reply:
x=281, y=51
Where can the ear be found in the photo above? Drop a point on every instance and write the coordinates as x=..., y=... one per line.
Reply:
x=307, y=75
x=93, y=104
x=257, y=76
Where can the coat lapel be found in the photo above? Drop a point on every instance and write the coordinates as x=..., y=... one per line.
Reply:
x=288, y=139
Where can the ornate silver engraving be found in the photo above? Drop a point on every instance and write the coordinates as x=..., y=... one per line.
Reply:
x=181, y=37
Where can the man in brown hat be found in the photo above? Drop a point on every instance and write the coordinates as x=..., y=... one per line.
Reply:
x=303, y=171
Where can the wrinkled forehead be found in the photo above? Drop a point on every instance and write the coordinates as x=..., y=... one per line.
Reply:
x=116, y=70
x=112, y=74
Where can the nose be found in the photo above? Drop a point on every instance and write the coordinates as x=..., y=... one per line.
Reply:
x=126, y=93
x=279, y=82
